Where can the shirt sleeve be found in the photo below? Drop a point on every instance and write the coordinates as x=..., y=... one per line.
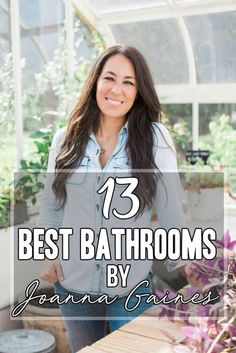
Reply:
x=169, y=194
x=49, y=215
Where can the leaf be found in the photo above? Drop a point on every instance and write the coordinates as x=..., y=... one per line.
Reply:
x=42, y=148
x=40, y=185
x=25, y=179
x=23, y=164
x=39, y=133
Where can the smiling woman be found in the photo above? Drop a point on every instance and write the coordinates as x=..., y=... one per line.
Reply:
x=115, y=127
x=116, y=92
x=116, y=88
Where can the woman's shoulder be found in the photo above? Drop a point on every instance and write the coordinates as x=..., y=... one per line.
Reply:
x=162, y=136
x=58, y=138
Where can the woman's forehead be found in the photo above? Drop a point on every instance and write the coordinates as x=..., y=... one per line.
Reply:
x=119, y=65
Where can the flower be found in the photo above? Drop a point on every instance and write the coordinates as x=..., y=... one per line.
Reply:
x=214, y=330
x=226, y=242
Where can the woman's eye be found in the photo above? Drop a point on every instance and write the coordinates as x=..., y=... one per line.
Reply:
x=109, y=78
x=129, y=83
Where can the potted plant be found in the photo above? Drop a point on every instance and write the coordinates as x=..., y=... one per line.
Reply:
x=205, y=193
x=13, y=208
x=32, y=173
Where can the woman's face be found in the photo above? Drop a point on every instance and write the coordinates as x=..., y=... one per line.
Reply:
x=116, y=87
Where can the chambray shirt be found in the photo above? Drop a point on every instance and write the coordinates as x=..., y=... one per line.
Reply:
x=84, y=205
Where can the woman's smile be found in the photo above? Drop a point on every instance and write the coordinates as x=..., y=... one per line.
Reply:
x=113, y=101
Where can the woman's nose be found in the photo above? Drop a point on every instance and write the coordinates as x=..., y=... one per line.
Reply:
x=116, y=88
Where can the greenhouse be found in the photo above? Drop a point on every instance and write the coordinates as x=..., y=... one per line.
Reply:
x=47, y=50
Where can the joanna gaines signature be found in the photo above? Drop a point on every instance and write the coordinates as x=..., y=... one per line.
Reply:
x=149, y=298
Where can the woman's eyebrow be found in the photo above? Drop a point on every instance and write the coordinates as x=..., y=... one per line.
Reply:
x=112, y=73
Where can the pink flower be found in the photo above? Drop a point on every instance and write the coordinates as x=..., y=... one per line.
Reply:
x=226, y=242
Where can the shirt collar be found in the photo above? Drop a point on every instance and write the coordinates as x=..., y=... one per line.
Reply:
x=122, y=132
x=124, y=128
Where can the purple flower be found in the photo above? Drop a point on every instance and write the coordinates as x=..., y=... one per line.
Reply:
x=226, y=242
x=169, y=309
x=219, y=276
x=196, y=337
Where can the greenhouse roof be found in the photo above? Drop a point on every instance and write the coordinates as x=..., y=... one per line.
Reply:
x=190, y=45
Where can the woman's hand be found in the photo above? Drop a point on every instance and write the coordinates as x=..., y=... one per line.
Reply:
x=51, y=271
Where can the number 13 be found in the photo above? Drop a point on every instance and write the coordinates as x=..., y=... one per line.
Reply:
x=109, y=187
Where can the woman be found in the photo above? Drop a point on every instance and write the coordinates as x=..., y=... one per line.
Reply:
x=114, y=126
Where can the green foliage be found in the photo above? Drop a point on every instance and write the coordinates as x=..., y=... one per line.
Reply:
x=5, y=200
x=33, y=170
x=6, y=97
x=7, y=113
x=203, y=180
x=98, y=42
x=223, y=144
x=181, y=135
x=30, y=179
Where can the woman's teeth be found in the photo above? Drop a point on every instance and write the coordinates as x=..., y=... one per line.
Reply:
x=113, y=101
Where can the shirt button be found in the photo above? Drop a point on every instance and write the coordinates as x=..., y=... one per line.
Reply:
x=97, y=152
x=97, y=207
x=98, y=267
x=99, y=178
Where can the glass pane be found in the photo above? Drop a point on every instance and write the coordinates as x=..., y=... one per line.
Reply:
x=7, y=116
x=212, y=112
x=214, y=43
x=46, y=44
x=178, y=118
x=217, y=128
x=164, y=51
x=4, y=21
x=40, y=25
x=5, y=3
x=5, y=34
x=40, y=13
x=4, y=49
x=33, y=61
x=83, y=41
x=112, y=5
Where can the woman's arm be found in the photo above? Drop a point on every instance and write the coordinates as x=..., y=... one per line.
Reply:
x=49, y=216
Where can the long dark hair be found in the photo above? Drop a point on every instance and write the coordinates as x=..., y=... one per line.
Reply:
x=85, y=117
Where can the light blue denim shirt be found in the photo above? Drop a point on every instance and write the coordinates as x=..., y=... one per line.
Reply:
x=83, y=209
